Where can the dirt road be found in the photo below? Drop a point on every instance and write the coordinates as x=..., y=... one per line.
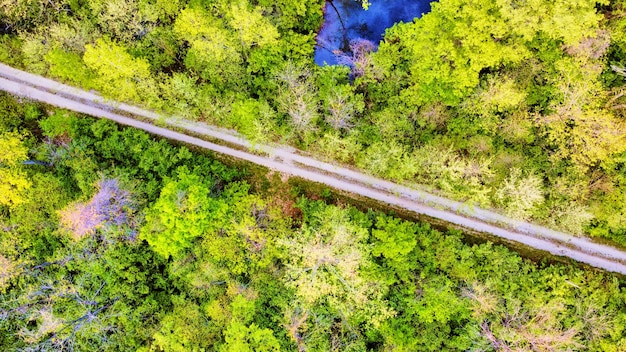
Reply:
x=289, y=161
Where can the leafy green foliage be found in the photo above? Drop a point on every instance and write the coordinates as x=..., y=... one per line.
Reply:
x=69, y=66
x=119, y=74
x=325, y=262
x=223, y=268
x=183, y=329
x=13, y=180
x=394, y=241
x=492, y=86
x=254, y=29
x=249, y=338
x=446, y=64
x=184, y=211
x=518, y=105
x=514, y=104
x=253, y=119
x=519, y=195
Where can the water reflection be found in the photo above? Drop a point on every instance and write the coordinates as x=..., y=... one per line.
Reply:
x=345, y=21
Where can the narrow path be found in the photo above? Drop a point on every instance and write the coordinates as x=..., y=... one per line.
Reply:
x=288, y=161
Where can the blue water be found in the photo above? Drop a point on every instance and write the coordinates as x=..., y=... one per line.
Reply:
x=367, y=24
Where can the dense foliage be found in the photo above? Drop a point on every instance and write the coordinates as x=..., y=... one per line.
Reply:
x=112, y=240
x=506, y=104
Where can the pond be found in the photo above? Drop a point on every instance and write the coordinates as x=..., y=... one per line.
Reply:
x=346, y=21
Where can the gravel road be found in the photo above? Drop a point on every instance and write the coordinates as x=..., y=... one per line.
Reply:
x=289, y=161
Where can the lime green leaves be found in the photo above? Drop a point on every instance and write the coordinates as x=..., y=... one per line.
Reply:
x=119, y=74
x=183, y=212
x=13, y=180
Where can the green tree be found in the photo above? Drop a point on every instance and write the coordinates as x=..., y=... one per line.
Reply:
x=579, y=126
x=254, y=29
x=249, y=339
x=448, y=47
x=298, y=96
x=340, y=101
x=254, y=119
x=120, y=75
x=13, y=179
x=567, y=21
x=69, y=66
x=205, y=33
x=326, y=263
x=121, y=18
x=214, y=52
x=184, y=212
x=519, y=195
x=184, y=329
x=394, y=240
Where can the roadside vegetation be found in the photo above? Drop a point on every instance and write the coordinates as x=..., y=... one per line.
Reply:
x=112, y=240
x=517, y=106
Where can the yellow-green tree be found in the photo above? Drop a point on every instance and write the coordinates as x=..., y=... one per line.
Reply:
x=208, y=38
x=325, y=264
x=581, y=128
x=252, y=27
x=13, y=179
x=447, y=48
x=184, y=212
x=519, y=194
x=214, y=50
x=120, y=75
x=568, y=20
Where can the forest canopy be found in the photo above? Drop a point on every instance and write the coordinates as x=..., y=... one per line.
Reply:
x=111, y=239
x=483, y=101
x=124, y=242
